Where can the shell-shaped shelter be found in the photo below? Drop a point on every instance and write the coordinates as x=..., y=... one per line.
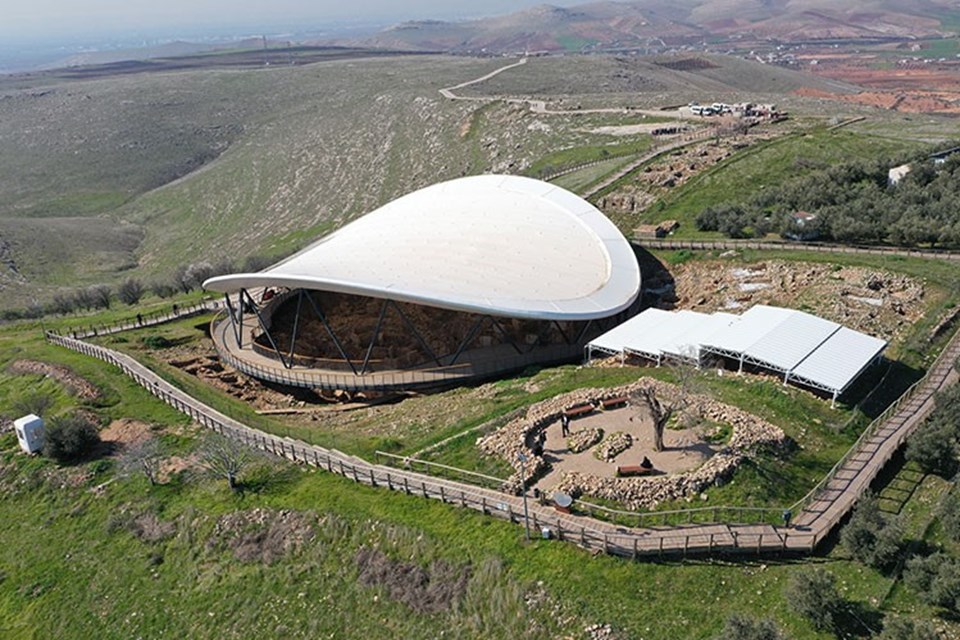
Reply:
x=464, y=279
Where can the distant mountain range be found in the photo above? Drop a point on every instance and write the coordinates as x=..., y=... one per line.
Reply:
x=657, y=24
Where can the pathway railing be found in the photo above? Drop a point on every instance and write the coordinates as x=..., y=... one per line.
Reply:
x=139, y=321
x=439, y=470
x=766, y=245
x=719, y=529
x=543, y=520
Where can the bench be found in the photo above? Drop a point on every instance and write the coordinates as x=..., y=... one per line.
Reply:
x=612, y=403
x=579, y=410
x=633, y=470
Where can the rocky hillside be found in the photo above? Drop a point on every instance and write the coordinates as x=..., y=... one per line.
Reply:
x=658, y=24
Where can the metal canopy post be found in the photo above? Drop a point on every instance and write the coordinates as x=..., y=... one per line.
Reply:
x=471, y=336
x=373, y=340
x=263, y=326
x=563, y=333
x=416, y=334
x=333, y=336
x=583, y=332
x=506, y=335
x=237, y=330
x=296, y=325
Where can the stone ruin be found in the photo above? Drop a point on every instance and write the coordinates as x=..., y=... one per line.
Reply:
x=750, y=434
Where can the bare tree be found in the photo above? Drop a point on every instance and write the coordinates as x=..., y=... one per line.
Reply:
x=143, y=457
x=100, y=294
x=659, y=413
x=224, y=458
x=130, y=291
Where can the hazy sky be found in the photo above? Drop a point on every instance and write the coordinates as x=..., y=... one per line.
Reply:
x=30, y=18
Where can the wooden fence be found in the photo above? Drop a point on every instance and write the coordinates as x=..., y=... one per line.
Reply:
x=543, y=520
x=141, y=320
x=693, y=531
x=818, y=247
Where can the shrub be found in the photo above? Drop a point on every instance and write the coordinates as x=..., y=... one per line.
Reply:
x=157, y=342
x=35, y=402
x=130, y=291
x=739, y=627
x=949, y=513
x=904, y=629
x=870, y=537
x=70, y=438
x=162, y=289
x=933, y=446
x=936, y=579
x=100, y=295
x=814, y=595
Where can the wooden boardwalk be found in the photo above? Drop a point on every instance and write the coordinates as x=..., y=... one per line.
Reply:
x=263, y=367
x=816, y=517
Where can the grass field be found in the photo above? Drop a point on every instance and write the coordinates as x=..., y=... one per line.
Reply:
x=75, y=562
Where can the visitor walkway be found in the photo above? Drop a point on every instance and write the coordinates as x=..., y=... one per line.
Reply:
x=473, y=365
x=815, y=516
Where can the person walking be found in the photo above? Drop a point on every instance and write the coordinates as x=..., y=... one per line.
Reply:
x=565, y=425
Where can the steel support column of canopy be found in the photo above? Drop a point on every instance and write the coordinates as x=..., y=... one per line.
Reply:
x=470, y=337
x=330, y=332
x=373, y=339
x=236, y=321
x=296, y=325
x=266, y=330
x=416, y=334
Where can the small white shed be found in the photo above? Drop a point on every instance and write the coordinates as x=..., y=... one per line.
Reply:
x=29, y=432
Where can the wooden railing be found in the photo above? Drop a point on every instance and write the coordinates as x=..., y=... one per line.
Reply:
x=543, y=520
x=141, y=320
x=767, y=245
x=719, y=529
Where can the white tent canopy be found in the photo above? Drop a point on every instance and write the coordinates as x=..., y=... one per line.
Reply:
x=802, y=347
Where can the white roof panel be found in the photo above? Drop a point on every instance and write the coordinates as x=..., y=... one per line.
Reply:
x=756, y=322
x=791, y=340
x=691, y=344
x=839, y=360
x=632, y=332
x=500, y=245
x=679, y=339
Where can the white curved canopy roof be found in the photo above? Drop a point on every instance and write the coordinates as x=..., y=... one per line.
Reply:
x=499, y=245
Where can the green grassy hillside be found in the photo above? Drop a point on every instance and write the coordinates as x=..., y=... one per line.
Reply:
x=86, y=550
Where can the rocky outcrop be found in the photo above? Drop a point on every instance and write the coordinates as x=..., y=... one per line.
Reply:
x=584, y=439
x=614, y=445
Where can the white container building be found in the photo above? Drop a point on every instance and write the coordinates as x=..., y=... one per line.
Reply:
x=29, y=430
